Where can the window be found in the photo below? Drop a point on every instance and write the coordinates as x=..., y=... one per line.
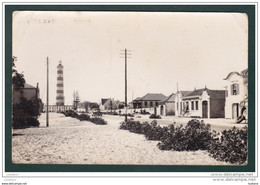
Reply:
x=145, y=103
x=234, y=89
x=156, y=103
x=197, y=105
x=151, y=103
x=192, y=105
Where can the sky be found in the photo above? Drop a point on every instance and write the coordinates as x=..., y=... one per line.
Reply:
x=192, y=50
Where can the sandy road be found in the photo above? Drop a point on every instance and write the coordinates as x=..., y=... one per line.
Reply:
x=69, y=141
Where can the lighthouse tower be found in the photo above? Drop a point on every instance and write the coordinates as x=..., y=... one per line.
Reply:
x=60, y=93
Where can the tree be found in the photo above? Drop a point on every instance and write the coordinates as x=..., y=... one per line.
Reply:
x=76, y=99
x=18, y=80
x=26, y=112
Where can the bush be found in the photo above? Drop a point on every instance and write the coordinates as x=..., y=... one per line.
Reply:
x=194, y=136
x=151, y=131
x=129, y=115
x=153, y=116
x=231, y=146
x=144, y=112
x=26, y=113
x=98, y=121
x=83, y=117
x=71, y=113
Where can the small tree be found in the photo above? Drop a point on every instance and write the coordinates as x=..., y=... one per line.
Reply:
x=18, y=80
x=26, y=112
x=76, y=99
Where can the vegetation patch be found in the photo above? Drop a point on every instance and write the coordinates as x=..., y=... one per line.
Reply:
x=153, y=116
x=229, y=146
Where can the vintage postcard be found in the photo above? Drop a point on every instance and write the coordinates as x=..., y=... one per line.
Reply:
x=130, y=88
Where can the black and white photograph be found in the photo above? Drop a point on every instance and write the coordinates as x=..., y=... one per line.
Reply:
x=130, y=88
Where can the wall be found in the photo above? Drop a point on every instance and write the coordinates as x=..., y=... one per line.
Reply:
x=27, y=93
x=217, y=108
x=170, y=108
x=148, y=104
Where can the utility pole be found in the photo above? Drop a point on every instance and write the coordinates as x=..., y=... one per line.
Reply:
x=125, y=84
x=126, y=56
x=47, y=108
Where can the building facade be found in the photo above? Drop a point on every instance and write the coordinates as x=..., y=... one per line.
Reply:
x=149, y=102
x=179, y=105
x=204, y=103
x=28, y=92
x=55, y=108
x=167, y=106
x=236, y=85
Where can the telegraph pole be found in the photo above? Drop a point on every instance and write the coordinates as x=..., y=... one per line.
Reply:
x=47, y=108
x=126, y=56
x=125, y=84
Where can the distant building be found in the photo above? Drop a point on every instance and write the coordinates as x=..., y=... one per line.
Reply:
x=150, y=100
x=167, y=106
x=237, y=93
x=103, y=101
x=55, y=108
x=204, y=103
x=28, y=92
x=110, y=104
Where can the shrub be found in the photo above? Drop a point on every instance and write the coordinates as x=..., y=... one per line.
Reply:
x=153, y=116
x=194, y=136
x=83, y=117
x=71, y=113
x=144, y=112
x=129, y=115
x=98, y=121
x=131, y=125
x=26, y=112
x=156, y=133
x=231, y=146
x=151, y=131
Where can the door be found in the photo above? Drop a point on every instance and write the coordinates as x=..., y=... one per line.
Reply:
x=235, y=111
x=161, y=112
x=204, y=109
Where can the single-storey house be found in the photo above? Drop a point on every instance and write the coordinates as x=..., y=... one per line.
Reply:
x=204, y=103
x=149, y=102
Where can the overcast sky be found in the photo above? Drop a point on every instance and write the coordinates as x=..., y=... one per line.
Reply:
x=191, y=49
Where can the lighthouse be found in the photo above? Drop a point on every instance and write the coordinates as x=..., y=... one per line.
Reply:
x=60, y=92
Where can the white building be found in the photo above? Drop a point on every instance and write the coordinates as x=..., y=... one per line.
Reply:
x=237, y=92
x=204, y=103
x=179, y=104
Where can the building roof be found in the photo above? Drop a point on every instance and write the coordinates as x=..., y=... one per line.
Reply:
x=153, y=97
x=184, y=93
x=170, y=98
x=28, y=86
x=138, y=98
x=104, y=100
x=243, y=73
x=214, y=94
